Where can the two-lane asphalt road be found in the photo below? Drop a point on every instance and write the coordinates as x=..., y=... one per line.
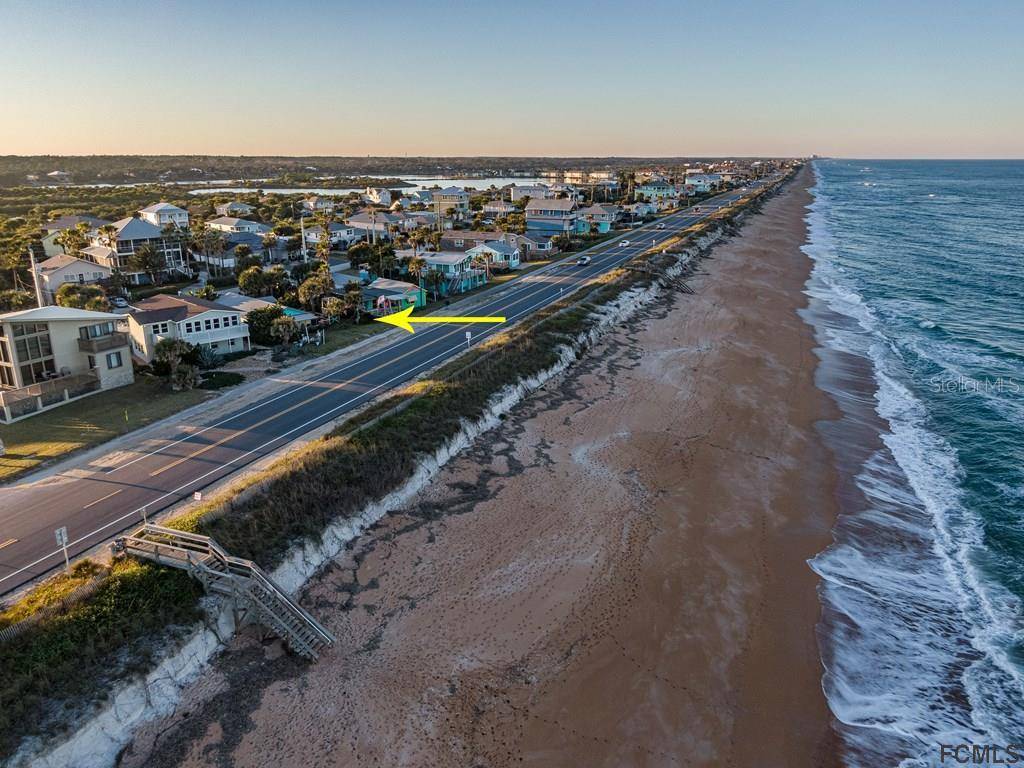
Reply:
x=111, y=493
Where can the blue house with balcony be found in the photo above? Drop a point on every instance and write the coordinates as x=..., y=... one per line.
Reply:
x=552, y=216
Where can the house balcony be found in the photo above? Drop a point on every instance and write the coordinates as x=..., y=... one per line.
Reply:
x=103, y=343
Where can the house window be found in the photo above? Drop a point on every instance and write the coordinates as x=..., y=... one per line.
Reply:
x=92, y=362
x=188, y=327
x=114, y=360
x=207, y=324
x=216, y=322
x=234, y=319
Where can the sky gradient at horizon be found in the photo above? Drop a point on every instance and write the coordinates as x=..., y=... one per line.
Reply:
x=872, y=79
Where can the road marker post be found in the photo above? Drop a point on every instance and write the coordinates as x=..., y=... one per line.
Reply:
x=61, y=534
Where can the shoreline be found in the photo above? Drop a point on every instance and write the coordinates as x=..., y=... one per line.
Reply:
x=526, y=600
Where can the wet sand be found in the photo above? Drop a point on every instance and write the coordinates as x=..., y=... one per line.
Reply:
x=615, y=577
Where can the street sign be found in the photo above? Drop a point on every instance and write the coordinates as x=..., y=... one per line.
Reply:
x=61, y=534
x=198, y=495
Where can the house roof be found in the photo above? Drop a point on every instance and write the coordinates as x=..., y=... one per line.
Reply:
x=67, y=222
x=162, y=208
x=234, y=221
x=63, y=260
x=136, y=229
x=164, y=307
x=444, y=257
x=99, y=251
x=393, y=285
x=244, y=303
x=450, y=191
x=233, y=204
x=551, y=204
x=469, y=234
x=54, y=314
x=498, y=246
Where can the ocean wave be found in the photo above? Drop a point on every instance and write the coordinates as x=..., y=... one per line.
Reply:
x=916, y=641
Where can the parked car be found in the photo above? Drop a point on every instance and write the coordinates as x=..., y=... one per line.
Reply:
x=582, y=261
x=120, y=302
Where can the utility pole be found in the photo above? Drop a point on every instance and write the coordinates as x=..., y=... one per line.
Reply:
x=35, y=277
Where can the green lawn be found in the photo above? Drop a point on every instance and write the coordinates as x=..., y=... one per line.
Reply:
x=52, y=435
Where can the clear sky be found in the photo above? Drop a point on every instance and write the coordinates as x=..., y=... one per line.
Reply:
x=513, y=77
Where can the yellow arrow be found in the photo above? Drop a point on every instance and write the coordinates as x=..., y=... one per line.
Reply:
x=404, y=319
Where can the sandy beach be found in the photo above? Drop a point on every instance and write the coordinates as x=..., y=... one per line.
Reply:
x=616, y=576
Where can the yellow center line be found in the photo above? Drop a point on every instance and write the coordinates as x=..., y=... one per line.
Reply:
x=104, y=498
x=260, y=423
x=7, y=543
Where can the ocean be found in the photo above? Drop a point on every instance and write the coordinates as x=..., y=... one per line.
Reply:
x=917, y=298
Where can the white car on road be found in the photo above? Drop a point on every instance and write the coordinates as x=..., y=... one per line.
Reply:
x=624, y=243
x=582, y=261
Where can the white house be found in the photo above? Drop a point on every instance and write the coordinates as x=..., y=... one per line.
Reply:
x=497, y=208
x=532, y=191
x=234, y=208
x=319, y=204
x=50, y=355
x=499, y=254
x=197, y=321
x=57, y=270
x=703, y=182
x=343, y=235
x=232, y=224
x=378, y=195
x=164, y=214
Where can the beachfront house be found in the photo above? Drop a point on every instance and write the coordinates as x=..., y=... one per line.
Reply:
x=197, y=321
x=384, y=296
x=703, y=182
x=456, y=269
x=551, y=215
x=500, y=256
x=50, y=355
x=532, y=245
x=599, y=218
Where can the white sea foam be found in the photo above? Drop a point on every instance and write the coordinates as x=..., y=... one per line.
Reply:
x=914, y=638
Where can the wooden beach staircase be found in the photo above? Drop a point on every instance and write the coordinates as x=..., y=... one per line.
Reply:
x=254, y=596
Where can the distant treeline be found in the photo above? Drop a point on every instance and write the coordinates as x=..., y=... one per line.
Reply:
x=121, y=169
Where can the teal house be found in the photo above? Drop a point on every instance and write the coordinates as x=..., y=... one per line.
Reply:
x=457, y=271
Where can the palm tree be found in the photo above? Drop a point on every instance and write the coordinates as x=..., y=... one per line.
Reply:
x=108, y=235
x=74, y=239
x=434, y=281
x=416, y=268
